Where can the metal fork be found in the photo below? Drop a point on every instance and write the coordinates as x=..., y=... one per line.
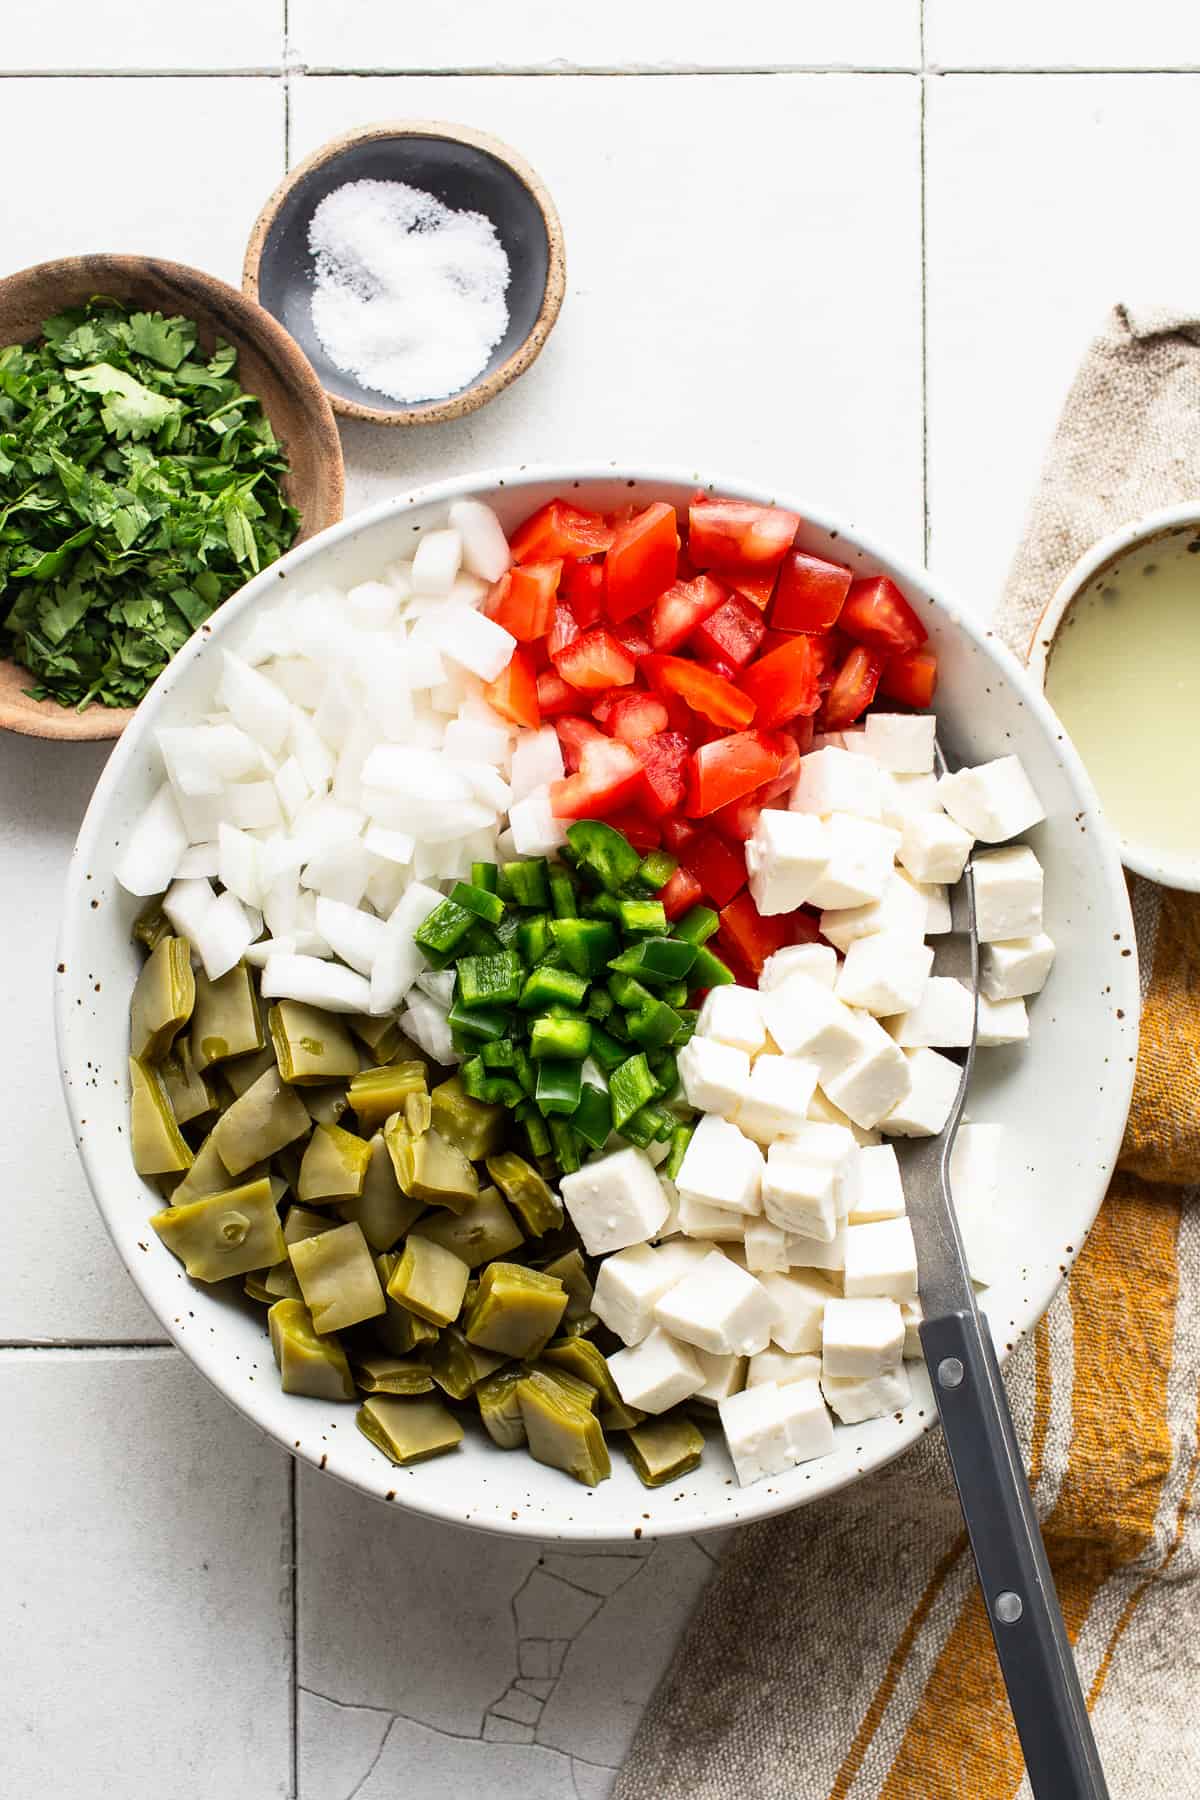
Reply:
x=1018, y=1591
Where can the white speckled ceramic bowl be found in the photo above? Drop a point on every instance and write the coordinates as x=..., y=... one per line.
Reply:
x=1062, y=1099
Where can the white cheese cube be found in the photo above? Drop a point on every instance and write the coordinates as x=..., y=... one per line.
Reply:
x=723, y=1375
x=822, y=1111
x=770, y=1429
x=881, y=1261
x=786, y=853
x=937, y=898
x=856, y=1398
x=670, y=1225
x=861, y=1337
x=812, y=1253
x=798, y=1302
x=627, y=1286
x=782, y=1368
x=700, y=1219
x=777, y=1097
x=910, y=1312
x=805, y=1019
x=718, y=1307
x=1008, y=893
x=876, y=1190
x=721, y=1167
x=993, y=801
x=833, y=780
x=715, y=1077
x=925, y=1108
x=885, y=973
x=904, y=796
x=815, y=960
x=854, y=739
x=614, y=1202
x=942, y=1018
x=902, y=908
x=800, y=1196
x=934, y=848
x=878, y=1081
x=656, y=1374
x=861, y=855
x=682, y=1254
x=1012, y=970
x=902, y=743
x=733, y=1016
x=765, y=1246
x=1001, y=1022
x=830, y=1141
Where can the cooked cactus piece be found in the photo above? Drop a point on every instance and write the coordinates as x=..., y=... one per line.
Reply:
x=418, y=1113
x=163, y=997
x=457, y=1365
x=337, y=1277
x=580, y=1358
x=663, y=1449
x=571, y=1270
x=375, y=1094
x=382, y=1037
x=428, y=1168
x=334, y=1166
x=311, y=1047
x=266, y=1117
x=225, y=1234
x=515, y=1310
x=500, y=1406
x=280, y=1282
x=383, y=1211
x=391, y=1375
x=429, y=1280
x=254, y=1287
x=535, y=1205
x=326, y=1105
x=207, y=1175
x=483, y=1230
x=241, y=1072
x=226, y=1021
x=302, y=1222
x=308, y=1363
x=560, y=1432
x=157, y=1142
x=472, y=1126
x=408, y=1431
x=399, y=1330
x=151, y=926
x=582, y=1392
x=190, y=1093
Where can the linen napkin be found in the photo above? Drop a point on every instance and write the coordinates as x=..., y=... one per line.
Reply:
x=841, y=1652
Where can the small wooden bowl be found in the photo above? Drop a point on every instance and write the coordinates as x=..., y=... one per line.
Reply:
x=464, y=169
x=270, y=365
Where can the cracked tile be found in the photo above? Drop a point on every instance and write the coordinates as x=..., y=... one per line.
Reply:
x=404, y=1614
x=591, y=1781
x=417, y=1761
x=621, y=1654
x=601, y=1575
x=535, y=1658
x=526, y=1709
x=547, y=1608
x=557, y=1653
x=506, y=1731
x=335, y=1746
x=541, y=1689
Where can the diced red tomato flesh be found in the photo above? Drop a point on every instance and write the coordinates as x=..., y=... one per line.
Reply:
x=641, y=562
x=563, y=631
x=573, y=734
x=717, y=866
x=853, y=689
x=559, y=530
x=632, y=639
x=595, y=660
x=664, y=760
x=554, y=695
x=643, y=833
x=731, y=635
x=737, y=534
x=582, y=587
x=803, y=731
x=632, y=717
x=809, y=592
x=609, y=777
x=723, y=947
x=737, y=820
x=705, y=692
x=910, y=677
x=754, y=937
x=685, y=605
x=523, y=600
x=877, y=614
x=785, y=682
x=678, y=832
x=727, y=769
x=681, y=892
x=514, y=693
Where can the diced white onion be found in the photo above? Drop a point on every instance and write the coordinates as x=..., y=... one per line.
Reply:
x=253, y=805
x=372, y=604
x=156, y=843
x=536, y=761
x=429, y=1028
x=437, y=561
x=315, y=983
x=485, y=549
x=392, y=846
x=471, y=639
x=238, y=866
x=353, y=935
x=225, y=932
x=535, y=830
x=398, y=960
x=262, y=710
x=198, y=860
x=439, y=985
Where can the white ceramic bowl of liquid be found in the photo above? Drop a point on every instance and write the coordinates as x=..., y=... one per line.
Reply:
x=1117, y=652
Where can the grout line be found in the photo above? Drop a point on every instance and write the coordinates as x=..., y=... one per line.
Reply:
x=287, y=90
x=276, y=72
x=293, y=1586
x=924, y=238
x=607, y=70
x=39, y=1345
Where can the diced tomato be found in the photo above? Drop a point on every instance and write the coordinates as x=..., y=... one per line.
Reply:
x=727, y=769
x=731, y=956
x=665, y=761
x=755, y=588
x=729, y=636
x=737, y=534
x=718, y=866
x=737, y=820
x=609, y=776
x=523, y=600
x=582, y=587
x=573, y=734
x=641, y=563
x=644, y=834
x=621, y=515
x=595, y=660
x=789, y=765
x=705, y=692
x=809, y=592
x=554, y=695
x=853, y=689
x=681, y=717
x=564, y=630
x=632, y=717
x=803, y=731
x=910, y=677
x=632, y=639
x=754, y=938
x=677, y=833
x=831, y=650
x=877, y=614
x=514, y=692
x=784, y=683
x=685, y=605
x=559, y=530
x=681, y=892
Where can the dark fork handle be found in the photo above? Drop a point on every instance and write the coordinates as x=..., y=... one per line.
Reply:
x=1018, y=1591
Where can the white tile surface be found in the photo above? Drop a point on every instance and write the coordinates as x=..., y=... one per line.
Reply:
x=1050, y=198
x=143, y=1594
x=128, y=34
x=624, y=34
x=1069, y=34
x=730, y=322
x=175, y=168
x=59, y=1276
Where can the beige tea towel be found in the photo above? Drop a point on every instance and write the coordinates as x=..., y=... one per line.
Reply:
x=841, y=1652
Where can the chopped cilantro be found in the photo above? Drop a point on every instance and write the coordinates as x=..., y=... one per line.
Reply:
x=139, y=487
